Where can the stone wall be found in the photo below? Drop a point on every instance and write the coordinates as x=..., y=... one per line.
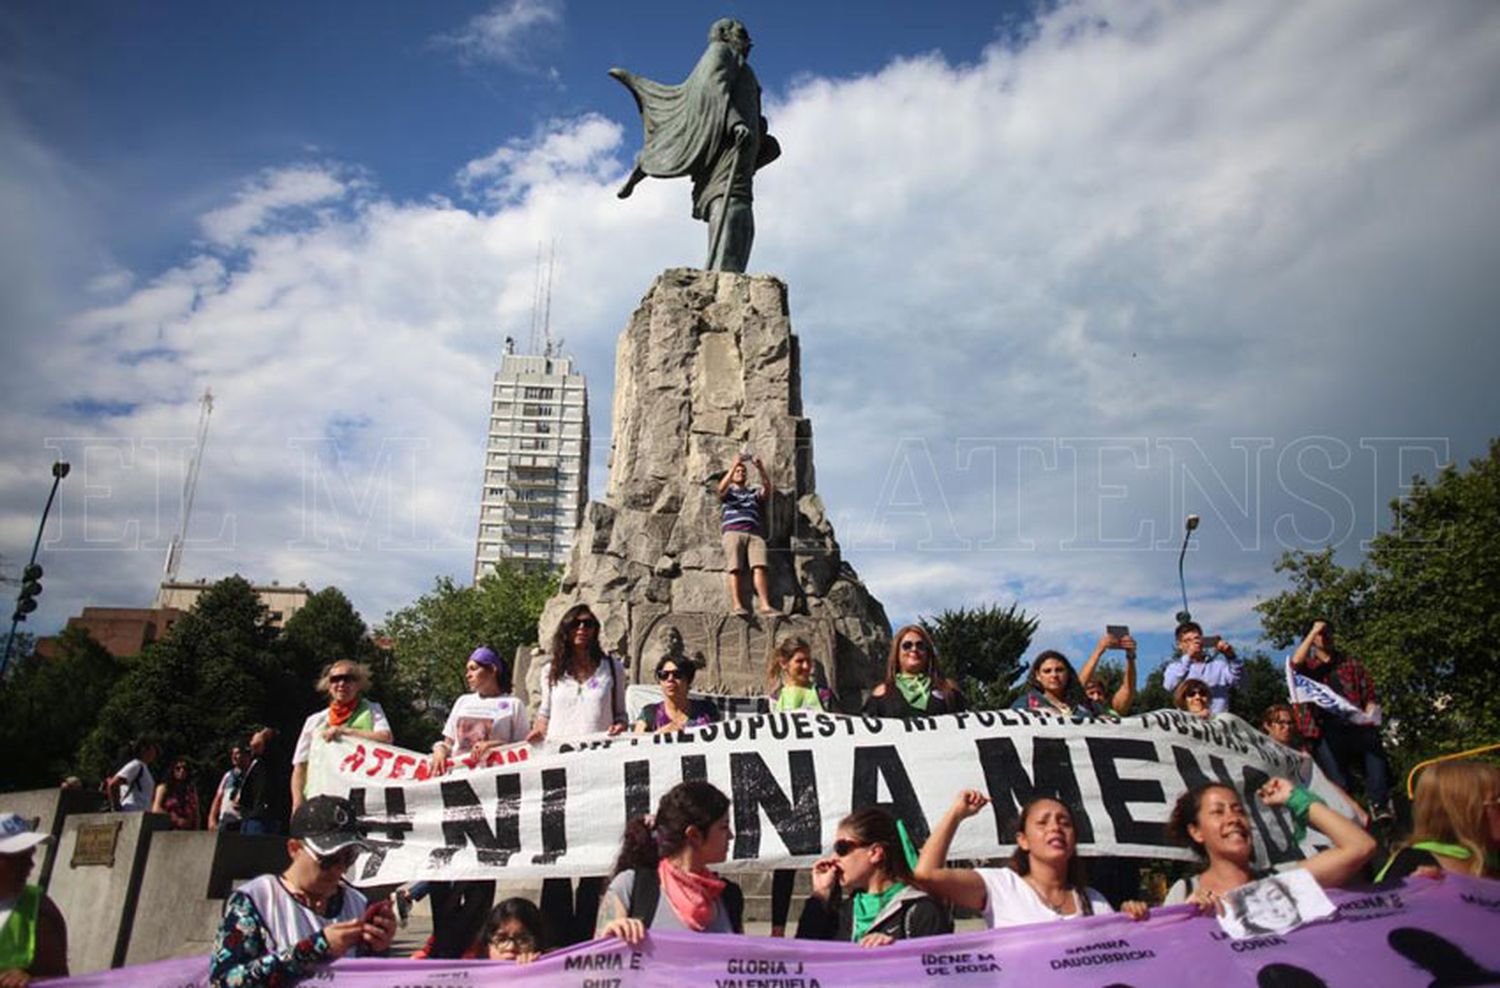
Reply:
x=709, y=366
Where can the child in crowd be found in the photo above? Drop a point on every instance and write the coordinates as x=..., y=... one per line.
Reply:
x=515, y=931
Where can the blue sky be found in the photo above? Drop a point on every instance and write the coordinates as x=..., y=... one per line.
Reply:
x=1062, y=274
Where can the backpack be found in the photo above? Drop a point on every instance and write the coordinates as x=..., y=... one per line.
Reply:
x=646, y=895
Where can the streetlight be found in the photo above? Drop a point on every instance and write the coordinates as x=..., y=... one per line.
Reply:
x=1183, y=617
x=31, y=577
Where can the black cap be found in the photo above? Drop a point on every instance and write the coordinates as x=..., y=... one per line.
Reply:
x=327, y=825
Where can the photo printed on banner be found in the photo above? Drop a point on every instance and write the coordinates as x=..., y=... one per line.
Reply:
x=1282, y=902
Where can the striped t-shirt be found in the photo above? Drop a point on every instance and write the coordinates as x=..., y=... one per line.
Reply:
x=741, y=510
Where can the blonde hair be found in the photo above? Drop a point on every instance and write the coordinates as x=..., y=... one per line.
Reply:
x=360, y=670
x=783, y=653
x=1451, y=797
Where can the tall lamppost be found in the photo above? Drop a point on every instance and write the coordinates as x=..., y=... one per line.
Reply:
x=1183, y=616
x=31, y=576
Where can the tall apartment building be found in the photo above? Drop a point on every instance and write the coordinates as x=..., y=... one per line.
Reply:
x=536, y=469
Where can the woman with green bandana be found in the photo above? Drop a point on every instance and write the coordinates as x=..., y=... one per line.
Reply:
x=914, y=684
x=793, y=683
x=1456, y=823
x=863, y=892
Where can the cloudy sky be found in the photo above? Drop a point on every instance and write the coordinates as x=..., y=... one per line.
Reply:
x=1062, y=276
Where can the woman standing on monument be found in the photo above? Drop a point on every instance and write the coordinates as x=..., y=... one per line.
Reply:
x=914, y=684
x=583, y=692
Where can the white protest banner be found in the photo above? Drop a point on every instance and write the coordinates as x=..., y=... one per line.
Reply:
x=1302, y=689
x=561, y=809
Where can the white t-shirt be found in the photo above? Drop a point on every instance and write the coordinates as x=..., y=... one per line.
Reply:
x=315, y=723
x=1009, y=901
x=476, y=718
x=575, y=709
x=140, y=786
x=227, y=810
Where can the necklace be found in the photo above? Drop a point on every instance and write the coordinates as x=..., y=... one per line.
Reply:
x=309, y=900
x=1057, y=907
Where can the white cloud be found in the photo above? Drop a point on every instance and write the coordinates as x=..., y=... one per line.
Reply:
x=508, y=33
x=274, y=194
x=1150, y=222
x=562, y=152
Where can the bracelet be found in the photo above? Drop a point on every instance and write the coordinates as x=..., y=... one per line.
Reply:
x=1299, y=803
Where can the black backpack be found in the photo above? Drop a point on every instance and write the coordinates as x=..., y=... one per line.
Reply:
x=646, y=894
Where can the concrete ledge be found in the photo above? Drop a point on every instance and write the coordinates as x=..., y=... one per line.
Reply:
x=99, y=900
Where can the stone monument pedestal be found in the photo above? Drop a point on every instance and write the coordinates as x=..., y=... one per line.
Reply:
x=707, y=367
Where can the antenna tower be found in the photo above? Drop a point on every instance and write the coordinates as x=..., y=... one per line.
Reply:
x=189, y=487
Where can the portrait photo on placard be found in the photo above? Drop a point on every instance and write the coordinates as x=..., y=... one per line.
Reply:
x=1275, y=904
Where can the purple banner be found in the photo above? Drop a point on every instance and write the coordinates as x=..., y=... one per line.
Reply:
x=1423, y=933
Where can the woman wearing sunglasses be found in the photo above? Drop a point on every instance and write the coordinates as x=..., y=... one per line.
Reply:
x=1193, y=696
x=677, y=709
x=277, y=928
x=178, y=797
x=348, y=714
x=1043, y=881
x=583, y=692
x=914, y=684
x=864, y=892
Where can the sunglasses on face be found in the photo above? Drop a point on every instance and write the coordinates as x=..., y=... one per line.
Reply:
x=843, y=847
x=343, y=677
x=1196, y=694
x=339, y=859
x=676, y=674
x=914, y=645
x=586, y=623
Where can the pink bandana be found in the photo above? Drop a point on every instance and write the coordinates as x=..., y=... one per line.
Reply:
x=692, y=895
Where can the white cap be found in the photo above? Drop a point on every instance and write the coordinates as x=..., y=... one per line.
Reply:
x=16, y=835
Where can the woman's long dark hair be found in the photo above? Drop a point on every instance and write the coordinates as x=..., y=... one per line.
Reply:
x=523, y=911
x=873, y=826
x=1020, y=861
x=687, y=804
x=562, y=642
x=1071, y=692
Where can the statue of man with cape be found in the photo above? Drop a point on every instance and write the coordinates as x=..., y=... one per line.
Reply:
x=710, y=129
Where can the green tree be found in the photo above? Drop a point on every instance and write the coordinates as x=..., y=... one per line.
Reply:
x=982, y=648
x=198, y=688
x=1422, y=611
x=47, y=704
x=432, y=636
x=1262, y=683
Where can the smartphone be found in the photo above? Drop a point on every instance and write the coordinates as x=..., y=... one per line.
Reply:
x=1210, y=642
x=1117, y=630
x=375, y=909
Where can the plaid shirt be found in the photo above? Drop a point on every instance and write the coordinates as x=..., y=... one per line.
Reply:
x=1346, y=677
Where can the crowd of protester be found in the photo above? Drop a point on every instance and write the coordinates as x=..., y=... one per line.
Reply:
x=874, y=887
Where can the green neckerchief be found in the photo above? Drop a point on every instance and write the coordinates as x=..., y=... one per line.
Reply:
x=916, y=690
x=798, y=698
x=1456, y=851
x=868, y=905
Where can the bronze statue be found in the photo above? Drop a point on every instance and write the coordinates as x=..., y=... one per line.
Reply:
x=710, y=129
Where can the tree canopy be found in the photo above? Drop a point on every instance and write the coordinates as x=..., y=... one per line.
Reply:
x=1421, y=611
x=982, y=648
